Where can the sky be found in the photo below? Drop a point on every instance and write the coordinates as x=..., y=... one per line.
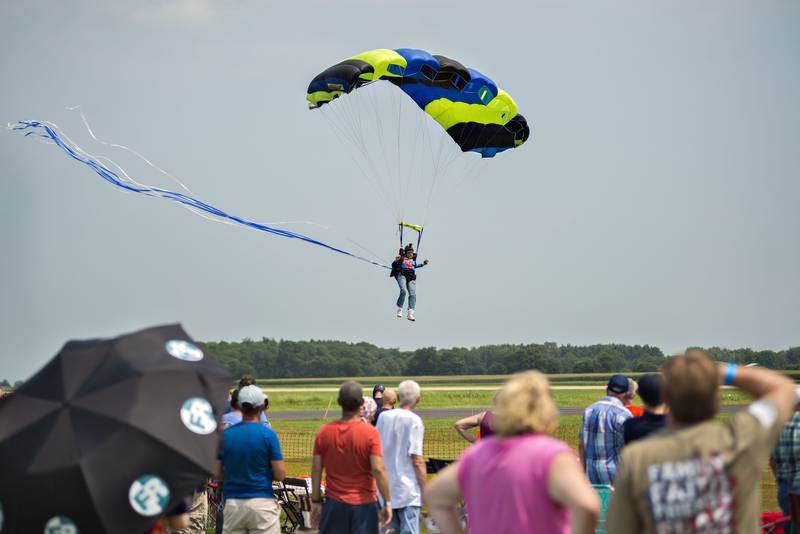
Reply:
x=657, y=201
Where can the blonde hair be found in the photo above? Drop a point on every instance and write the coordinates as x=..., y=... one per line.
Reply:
x=524, y=406
x=691, y=386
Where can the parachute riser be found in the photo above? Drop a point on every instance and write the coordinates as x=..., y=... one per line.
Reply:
x=414, y=227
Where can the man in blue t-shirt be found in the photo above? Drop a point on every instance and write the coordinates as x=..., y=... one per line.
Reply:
x=251, y=459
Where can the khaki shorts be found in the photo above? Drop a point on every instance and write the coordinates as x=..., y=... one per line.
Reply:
x=251, y=516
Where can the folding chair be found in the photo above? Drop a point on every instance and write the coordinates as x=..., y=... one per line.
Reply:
x=433, y=466
x=605, y=492
x=774, y=522
x=294, y=499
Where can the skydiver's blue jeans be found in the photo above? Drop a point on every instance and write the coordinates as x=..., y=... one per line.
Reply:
x=406, y=287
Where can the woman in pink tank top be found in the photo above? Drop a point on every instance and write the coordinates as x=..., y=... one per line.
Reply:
x=520, y=479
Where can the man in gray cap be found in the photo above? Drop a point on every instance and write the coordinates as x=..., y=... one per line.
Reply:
x=600, y=439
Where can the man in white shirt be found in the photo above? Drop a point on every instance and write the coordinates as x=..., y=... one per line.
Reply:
x=402, y=433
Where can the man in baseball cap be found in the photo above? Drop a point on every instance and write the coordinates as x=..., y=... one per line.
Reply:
x=600, y=438
x=251, y=459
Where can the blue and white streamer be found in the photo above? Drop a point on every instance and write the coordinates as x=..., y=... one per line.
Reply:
x=51, y=132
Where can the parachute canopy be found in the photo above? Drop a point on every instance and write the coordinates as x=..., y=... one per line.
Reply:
x=477, y=114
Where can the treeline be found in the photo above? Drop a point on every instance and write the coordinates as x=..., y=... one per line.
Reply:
x=269, y=358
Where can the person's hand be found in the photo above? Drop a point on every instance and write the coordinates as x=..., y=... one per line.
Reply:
x=425, y=262
x=316, y=514
x=386, y=515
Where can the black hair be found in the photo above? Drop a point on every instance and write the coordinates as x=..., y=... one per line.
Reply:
x=650, y=389
x=248, y=410
x=247, y=380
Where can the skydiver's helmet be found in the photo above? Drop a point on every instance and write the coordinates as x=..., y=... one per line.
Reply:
x=409, y=248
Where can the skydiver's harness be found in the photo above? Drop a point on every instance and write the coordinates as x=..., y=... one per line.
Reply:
x=397, y=265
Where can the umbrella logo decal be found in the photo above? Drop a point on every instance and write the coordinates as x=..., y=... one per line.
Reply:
x=183, y=350
x=60, y=525
x=148, y=495
x=198, y=416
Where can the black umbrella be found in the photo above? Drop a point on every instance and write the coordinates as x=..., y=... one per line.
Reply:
x=110, y=434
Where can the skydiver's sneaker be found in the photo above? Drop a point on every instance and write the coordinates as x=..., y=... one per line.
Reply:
x=411, y=315
x=399, y=313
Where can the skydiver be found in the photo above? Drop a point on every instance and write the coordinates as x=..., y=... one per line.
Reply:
x=404, y=271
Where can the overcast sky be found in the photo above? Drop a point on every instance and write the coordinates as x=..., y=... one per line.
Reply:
x=657, y=201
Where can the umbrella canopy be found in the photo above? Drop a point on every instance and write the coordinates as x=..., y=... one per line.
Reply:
x=110, y=434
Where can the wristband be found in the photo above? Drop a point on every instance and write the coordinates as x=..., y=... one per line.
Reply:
x=387, y=504
x=730, y=373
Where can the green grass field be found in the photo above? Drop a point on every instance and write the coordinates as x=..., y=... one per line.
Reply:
x=284, y=401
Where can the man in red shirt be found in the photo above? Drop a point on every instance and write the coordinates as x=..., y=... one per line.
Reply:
x=349, y=451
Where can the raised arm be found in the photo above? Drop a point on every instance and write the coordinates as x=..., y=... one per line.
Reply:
x=568, y=486
x=463, y=425
x=765, y=385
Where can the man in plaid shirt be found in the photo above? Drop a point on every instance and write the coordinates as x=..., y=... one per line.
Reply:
x=600, y=439
x=785, y=463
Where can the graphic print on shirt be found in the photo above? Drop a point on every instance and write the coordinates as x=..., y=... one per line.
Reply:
x=692, y=495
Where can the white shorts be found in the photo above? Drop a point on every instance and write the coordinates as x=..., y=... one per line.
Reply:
x=251, y=516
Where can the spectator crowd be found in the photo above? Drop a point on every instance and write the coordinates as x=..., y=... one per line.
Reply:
x=669, y=464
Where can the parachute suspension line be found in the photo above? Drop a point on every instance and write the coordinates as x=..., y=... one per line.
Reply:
x=338, y=110
x=51, y=132
x=371, y=98
x=400, y=175
x=437, y=169
x=356, y=121
x=417, y=228
x=335, y=124
x=376, y=97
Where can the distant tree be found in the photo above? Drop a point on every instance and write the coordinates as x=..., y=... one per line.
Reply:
x=271, y=358
x=5, y=384
x=649, y=364
x=585, y=365
x=423, y=362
